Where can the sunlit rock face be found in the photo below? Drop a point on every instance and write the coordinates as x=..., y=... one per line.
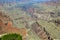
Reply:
x=7, y=27
x=21, y=14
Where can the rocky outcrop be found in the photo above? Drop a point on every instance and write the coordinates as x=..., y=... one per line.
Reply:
x=8, y=27
x=41, y=32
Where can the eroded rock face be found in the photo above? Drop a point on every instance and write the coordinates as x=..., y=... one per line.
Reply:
x=6, y=26
x=3, y=19
x=40, y=31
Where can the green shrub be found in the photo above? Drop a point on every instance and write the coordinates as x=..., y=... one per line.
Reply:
x=0, y=38
x=11, y=37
